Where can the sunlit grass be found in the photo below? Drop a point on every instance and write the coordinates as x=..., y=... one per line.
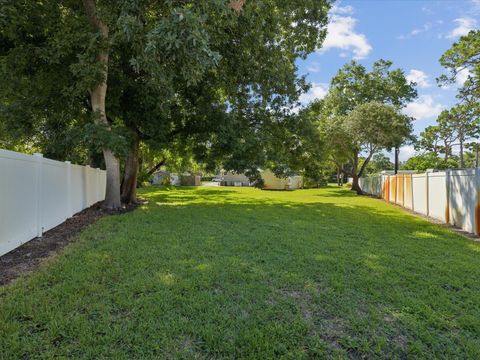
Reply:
x=245, y=273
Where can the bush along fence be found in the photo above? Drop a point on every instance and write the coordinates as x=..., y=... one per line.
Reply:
x=37, y=194
x=451, y=196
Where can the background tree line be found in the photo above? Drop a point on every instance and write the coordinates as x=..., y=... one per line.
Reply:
x=453, y=141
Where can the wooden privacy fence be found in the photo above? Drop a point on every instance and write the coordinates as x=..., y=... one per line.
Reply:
x=451, y=196
x=37, y=194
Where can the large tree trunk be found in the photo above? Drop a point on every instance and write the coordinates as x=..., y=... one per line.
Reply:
x=356, y=175
x=129, y=184
x=97, y=98
x=355, y=185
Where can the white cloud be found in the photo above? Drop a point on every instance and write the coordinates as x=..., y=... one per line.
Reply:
x=419, y=77
x=423, y=108
x=417, y=31
x=462, y=76
x=317, y=91
x=406, y=152
x=422, y=29
x=342, y=10
x=342, y=35
x=314, y=67
x=464, y=25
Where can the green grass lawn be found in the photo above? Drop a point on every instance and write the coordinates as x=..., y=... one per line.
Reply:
x=245, y=273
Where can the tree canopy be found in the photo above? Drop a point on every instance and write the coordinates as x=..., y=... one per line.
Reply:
x=190, y=72
x=360, y=116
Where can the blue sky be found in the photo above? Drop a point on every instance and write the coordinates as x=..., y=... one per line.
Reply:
x=411, y=33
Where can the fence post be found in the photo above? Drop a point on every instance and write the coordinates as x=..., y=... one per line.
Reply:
x=428, y=197
x=447, y=192
x=97, y=186
x=413, y=196
x=69, y=189
x=38, y=193
x=477, y=201
x=396, y=188
x=389, y=181
x=86, y=172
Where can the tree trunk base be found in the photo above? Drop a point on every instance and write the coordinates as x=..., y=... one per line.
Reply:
x=129, y=184
x=356, y=187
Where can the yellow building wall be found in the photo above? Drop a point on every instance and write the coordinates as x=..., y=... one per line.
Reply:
x=271, y=182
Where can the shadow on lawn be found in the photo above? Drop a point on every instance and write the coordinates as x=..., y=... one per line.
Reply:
x=335, y=191
x=370, y=264
x=383, y=221
x=243, y=273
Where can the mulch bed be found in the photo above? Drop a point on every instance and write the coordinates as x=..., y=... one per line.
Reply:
x=28, y=256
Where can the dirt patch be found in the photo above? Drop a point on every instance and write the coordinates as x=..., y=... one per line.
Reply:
x=28, y=256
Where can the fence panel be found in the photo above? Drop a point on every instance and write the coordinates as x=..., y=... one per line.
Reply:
x=54, y=194
x=452, y=196
x=371, y=185
x=437, y=196
x=38, y=194
x=419, y=188
x=463, y=199
x=393, y=189
x=408, y=192
x=18, y=212
x=386, y=188
x=400, y=185
x=78, y=189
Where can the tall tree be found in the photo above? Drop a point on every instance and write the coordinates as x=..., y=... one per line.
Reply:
x=368, y=129
x=466, y=124
x=429, y=140
x=464, y=57
x=446, y=132
x=98, y=94
x=353, y=86
x=239, y=97
x=148, y=53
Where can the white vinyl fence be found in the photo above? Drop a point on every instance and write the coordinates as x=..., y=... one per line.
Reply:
x=37, y=194
x=451, y=196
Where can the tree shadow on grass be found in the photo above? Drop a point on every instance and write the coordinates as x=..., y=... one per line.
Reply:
x=222, y=273
x=336, y=191
x=383, y=270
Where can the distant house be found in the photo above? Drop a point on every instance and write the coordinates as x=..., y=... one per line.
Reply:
x=228, y=178
x=271, y=182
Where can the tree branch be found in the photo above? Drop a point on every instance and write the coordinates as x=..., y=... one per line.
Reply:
x=365, y=163
x=156, y=167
